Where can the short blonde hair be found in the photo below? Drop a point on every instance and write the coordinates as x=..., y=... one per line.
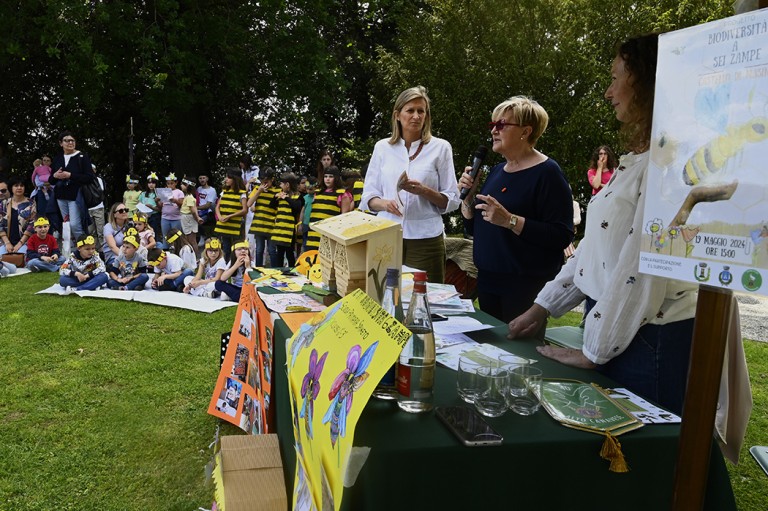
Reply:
x=404, y=98
x=525, y=112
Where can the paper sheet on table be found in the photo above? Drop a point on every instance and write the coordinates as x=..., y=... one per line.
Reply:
x=443, y=342
x=485, y=353
x=459, y=325
x=466, y=306
x=648, y=413
x=291, y=302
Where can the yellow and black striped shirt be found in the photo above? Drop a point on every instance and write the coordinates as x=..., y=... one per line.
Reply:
x=285, y=221
x=325, y=205
x=230, y=202
x=357, y=191
x=264, y=213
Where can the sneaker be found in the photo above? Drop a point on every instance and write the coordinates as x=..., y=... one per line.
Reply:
x=224, y=297
x=215, y=294
x=69, y=290
x=123, y=288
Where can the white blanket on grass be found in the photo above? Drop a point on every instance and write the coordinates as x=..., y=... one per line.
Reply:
x=19, y=271
x=167, y=298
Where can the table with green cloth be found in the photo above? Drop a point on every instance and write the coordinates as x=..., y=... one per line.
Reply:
x=415, y=462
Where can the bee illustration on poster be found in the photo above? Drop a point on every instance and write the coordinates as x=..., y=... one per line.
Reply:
x=334, y=372
x=706, y=192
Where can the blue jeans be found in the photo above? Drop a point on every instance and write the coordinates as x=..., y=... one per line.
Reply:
x=261, y=243
x=77, y=214
x=22, y=249
x=38, y=264
x=138, y=282
x=89, y=285
x=169, y=227
x=176, y=284
x=232, y=291
x=655, y=364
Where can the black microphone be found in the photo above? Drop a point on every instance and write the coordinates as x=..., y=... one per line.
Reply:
x=476, y=162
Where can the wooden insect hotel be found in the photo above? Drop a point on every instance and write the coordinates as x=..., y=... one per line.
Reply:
x=355, y=251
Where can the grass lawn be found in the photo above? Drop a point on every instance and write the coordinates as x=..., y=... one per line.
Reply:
x=104, y=404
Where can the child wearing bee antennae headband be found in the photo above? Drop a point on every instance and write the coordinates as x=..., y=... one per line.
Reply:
x=84, y=270
x=210, y=268
x=230, y=284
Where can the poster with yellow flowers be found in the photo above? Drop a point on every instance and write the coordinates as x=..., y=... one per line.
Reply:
x=334, y=363
x=706, y=202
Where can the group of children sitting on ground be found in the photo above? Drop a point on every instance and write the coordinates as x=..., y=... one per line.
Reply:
x=84, y=270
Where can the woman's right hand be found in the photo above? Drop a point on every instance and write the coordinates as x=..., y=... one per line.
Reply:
x=9, y=247
x=466, y=180
x=528, y=323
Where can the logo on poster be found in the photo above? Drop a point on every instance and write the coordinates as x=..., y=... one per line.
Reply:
x=752, y=280
x=701, y=272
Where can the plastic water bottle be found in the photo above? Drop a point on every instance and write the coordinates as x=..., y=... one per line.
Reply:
x=386, y=388
x=416, y=368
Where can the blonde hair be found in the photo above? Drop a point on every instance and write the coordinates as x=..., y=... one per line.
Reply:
x=404, y=98
x=525, y=112
x=37, y=162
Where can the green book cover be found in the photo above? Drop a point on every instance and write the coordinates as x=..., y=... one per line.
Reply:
x=585, y=406
x=566, y=336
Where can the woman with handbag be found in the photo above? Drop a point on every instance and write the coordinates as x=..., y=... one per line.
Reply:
x=17, y=218
x=72, y=170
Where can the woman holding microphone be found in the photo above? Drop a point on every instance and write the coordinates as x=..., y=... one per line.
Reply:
x=522, y=219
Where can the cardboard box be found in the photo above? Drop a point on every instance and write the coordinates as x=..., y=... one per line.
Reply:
x=249, y=474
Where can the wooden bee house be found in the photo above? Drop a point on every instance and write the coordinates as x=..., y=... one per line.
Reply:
x=355, y=251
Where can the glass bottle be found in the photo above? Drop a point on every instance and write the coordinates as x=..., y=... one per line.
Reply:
x=416, y=368
x=386, y=388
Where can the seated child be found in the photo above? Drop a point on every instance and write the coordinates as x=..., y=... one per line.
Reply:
x=180, y=245
x=169, y=270
x=42, y=250
x=209, y=270
x=241, y=262
x=128, y=271
x=7, y=269
x=84, y=270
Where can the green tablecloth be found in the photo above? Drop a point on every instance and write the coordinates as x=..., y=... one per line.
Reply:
x=415, y=462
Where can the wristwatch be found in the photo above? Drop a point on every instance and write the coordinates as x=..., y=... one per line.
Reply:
x=512, y=221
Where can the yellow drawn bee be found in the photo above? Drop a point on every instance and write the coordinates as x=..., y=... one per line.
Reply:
x=710, y=158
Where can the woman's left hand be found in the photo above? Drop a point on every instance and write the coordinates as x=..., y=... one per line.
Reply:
x=414, y=187
x=492, y=211
x=567, y=356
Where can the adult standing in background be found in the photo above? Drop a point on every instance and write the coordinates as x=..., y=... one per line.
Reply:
x=323, y=162
x=411, y=180
x=72, y=169
x=206, y=202
x=601, y=168
x=522, y=219
x=97, y=214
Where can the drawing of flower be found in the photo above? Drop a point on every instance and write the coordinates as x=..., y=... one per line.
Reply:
x=310, y=388
x=344, y=387
x=383, y=255
x=652, y=227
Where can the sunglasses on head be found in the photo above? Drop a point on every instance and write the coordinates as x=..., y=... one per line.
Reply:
x=122, y=210
x=501, y=124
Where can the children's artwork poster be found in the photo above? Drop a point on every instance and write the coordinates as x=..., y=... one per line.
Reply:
x=706, y=203
x=244, y=386
x=334, y=363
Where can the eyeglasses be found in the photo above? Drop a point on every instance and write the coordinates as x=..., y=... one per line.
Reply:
x=122, y=210
x=501, y=124
x=68, y=140
x=4, y=190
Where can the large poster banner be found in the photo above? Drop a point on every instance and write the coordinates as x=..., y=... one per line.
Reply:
x=706, y=204
x=244, y=386
x=334, y=362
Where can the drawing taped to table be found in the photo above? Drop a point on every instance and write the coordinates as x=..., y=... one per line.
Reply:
x=705, y=217
x=333, y=367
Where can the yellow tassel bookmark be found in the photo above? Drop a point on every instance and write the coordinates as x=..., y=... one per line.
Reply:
x=611, y=450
